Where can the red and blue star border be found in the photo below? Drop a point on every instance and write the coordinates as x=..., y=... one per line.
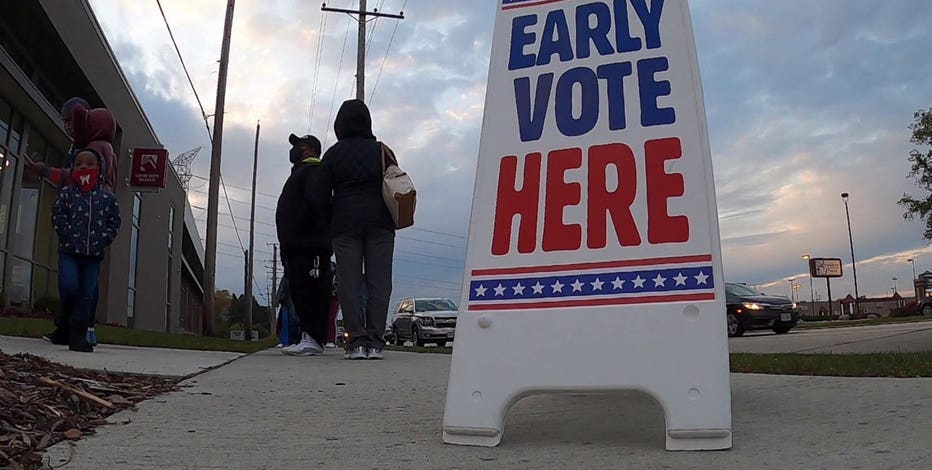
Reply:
x=623, y=282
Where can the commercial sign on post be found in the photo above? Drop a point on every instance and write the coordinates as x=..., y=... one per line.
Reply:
x=825, y=267
x=594, y=260
x=148, y=170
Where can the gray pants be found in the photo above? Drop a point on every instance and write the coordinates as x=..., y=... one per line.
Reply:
x=372, y=248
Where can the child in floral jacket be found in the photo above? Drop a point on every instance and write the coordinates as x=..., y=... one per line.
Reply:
x=87, y=219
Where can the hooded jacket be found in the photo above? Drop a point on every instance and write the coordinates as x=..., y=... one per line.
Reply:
x=86, y=222
x=351, y=174
x=301, y=219
x=94, y=129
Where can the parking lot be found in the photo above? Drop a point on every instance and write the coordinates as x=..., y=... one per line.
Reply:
x=904, y=337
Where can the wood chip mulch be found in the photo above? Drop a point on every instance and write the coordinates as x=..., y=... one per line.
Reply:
x=43, y=403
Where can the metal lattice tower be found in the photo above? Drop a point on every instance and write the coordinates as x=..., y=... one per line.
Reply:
x=182, y=164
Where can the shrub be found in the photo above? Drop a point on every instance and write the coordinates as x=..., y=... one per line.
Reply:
x=46, y=304
x=811, y=318
x=908, y=310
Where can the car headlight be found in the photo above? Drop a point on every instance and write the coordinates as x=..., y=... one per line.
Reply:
x=426, y=321
x=753, y=306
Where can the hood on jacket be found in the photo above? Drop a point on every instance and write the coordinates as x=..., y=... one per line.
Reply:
x=353, y=121
x=92, y=125
x=68, y=107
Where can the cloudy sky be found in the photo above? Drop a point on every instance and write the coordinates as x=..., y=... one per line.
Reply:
x=805, y=100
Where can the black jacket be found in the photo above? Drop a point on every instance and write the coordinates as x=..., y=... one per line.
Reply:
x=300, y=218
x=351, y=174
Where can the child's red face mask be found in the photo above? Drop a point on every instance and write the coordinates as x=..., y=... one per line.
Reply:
x=86, y=178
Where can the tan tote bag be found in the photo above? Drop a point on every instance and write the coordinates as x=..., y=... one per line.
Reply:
x=397, y=190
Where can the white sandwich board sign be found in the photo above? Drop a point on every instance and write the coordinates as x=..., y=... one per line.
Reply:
x=594, y=261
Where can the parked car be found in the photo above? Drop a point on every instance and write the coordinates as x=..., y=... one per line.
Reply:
x=424, y=321
x=748, y=309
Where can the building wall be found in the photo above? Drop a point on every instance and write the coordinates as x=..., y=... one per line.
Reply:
x=68, y=56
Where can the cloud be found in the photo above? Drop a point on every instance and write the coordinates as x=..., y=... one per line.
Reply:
x=805, y=100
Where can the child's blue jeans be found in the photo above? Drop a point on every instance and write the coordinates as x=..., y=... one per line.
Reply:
x=77, y=289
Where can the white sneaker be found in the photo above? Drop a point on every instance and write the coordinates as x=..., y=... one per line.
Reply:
x=375, y=354
x=307, y=347
x=356, y=353
x=279, y=345
x=330, y=346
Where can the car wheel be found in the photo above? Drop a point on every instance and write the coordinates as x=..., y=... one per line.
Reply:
x=734, y=326
x=927, y=309
x=416, y=338
x=782, y=330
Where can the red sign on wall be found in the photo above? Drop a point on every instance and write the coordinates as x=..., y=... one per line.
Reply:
x=148, y=171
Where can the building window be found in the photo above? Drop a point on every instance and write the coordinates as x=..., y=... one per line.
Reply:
x=133, y=259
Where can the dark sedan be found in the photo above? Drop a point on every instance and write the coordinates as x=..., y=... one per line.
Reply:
x=747, y=310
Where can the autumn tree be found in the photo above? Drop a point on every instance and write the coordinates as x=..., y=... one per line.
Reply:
x=921, y=171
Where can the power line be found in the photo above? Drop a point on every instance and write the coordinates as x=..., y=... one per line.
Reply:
x=429, y=256
x=236, y=200
x=374, y=24
x=406, y=276
x=274, y=196
x=427, y=241
x=378, y=77
x=206, y=125
x=425, y=263
x=337, y=81
x=238, y=217
x=230, y=206
x=184, y=67
x=439, y=233
x=230, y=245
x=322, y=33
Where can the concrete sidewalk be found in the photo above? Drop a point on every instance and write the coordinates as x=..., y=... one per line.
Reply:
x=271, y=411
x=151, y=361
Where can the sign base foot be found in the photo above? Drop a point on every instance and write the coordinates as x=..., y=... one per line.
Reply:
x=479, y=437
x=699, y=439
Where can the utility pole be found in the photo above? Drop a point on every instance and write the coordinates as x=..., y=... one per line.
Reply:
x=361, y=15
x=213, y=192
x=252, y=237
x=247, y=298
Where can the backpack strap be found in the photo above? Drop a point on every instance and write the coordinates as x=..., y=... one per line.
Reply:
x=389, y=155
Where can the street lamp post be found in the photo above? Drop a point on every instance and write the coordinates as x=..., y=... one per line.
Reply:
x=854, y=265
x=806, y=258
x=894, y=284
x=791, y=281
x=912, y=262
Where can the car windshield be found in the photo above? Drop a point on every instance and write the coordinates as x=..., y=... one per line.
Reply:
x=434, y=305
x=740, y=290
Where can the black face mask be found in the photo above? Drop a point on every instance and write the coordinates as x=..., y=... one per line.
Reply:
x=296, y=155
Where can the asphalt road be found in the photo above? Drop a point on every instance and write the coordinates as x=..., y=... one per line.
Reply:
x=904, y=337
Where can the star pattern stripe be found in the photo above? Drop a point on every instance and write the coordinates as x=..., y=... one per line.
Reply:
x=640, y=282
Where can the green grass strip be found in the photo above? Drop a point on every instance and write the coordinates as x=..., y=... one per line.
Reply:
x=35, y=328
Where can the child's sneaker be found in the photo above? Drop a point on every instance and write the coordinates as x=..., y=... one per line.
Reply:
x=78, y=342
x=58, y=337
